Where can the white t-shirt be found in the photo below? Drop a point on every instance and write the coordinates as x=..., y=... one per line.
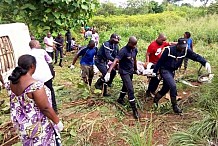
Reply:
x=95, y=37
x=42, y=72
x=49, y=41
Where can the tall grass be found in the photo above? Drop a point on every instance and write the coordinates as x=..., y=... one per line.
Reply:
x=139, y=136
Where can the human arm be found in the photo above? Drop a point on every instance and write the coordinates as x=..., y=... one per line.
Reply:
x=195, y=57
x=161, y=60
x=41, y=100
x=46, y=43
x=108, y=50
x=75, y=59
x=2, y=81
x=48, y=58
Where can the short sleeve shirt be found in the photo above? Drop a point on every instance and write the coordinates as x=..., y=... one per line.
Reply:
x=87, y=56
x=155, y=50
x=126, y=58
x=49, y=41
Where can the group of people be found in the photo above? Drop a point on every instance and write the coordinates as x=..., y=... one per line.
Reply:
x=32, y=98
x=166, y=58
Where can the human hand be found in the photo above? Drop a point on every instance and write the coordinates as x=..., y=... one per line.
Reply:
x=72, y=66
x=107, y=77
x=137, y=72
x=59, y=126
x=208, y=67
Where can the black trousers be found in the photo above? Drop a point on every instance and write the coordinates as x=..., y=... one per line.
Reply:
x=128, y=86
x=102, y=67
x=153, y=84
x=68, y=46
x=169, y=84
x=51, y=54
x=57, y=51
x=50, y=86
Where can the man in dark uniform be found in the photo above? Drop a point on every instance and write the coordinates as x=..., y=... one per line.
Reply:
x=68, y=38
x=171, y=60
x=107, y=52
x=127, y=66
x=59, y=48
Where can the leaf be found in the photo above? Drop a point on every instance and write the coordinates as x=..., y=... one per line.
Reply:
x=85, y=7
x=97, y=91
x=56, y=14
x=29, y=6
x=58, y=21
x=73, y=133
x=48, y=10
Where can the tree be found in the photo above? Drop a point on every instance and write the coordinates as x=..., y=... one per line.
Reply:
x=108, y=9
x=50, y=14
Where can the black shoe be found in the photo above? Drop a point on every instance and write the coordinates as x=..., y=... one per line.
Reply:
x=109, y=84
x=148, y=95
x=106, y=95
x=135, y=113
x=176, y=109
x=99, y=84
x=121, y=101
x=157, y=98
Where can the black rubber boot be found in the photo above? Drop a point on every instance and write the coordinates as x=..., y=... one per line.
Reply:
x=90, y=82
x=134, y=110
x=60, y=63
x=105, y=91
x=99, y=84
x=157, y=98
x=175, y=106
x=120, y=100
x=56, y=60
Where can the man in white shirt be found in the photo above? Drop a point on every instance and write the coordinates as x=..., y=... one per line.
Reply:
x=43, y=72
x=95, y=37
x=49, y=45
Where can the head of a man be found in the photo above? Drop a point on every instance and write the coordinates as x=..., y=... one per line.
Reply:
x=91, y=44
x=132, y=42
x=182, y=44
x=48, y=34
x=34, y=44
x=161, y=38
x=114, y=38
x=59, y=35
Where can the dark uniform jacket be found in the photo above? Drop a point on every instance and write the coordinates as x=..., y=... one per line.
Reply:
x=107, y=52
x=171, y=59
x=126, y=57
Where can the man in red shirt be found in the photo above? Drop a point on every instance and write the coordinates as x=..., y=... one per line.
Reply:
x=153, y=54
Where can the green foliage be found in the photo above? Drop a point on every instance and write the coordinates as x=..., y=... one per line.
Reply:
x=49, y=13
x=139, y=136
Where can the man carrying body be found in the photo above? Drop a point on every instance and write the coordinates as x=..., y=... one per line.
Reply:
x=107, y=52
x=153, y=54
x=127, y=66
x=86, y=62
x=170, y=61
x=42, y=59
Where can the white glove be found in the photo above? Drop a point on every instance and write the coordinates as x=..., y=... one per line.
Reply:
x=67, y=42
x=208, y=67
x=59, y=126
x=153, y=74
x=72, y=66
x=137, y=72
x=107, y=77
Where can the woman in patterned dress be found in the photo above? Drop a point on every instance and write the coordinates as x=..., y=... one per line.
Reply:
x=31, y=109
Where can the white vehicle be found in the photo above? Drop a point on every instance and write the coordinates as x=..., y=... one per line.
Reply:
x=14, y=42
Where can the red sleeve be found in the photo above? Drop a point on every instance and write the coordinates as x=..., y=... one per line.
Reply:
x=166, y=44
